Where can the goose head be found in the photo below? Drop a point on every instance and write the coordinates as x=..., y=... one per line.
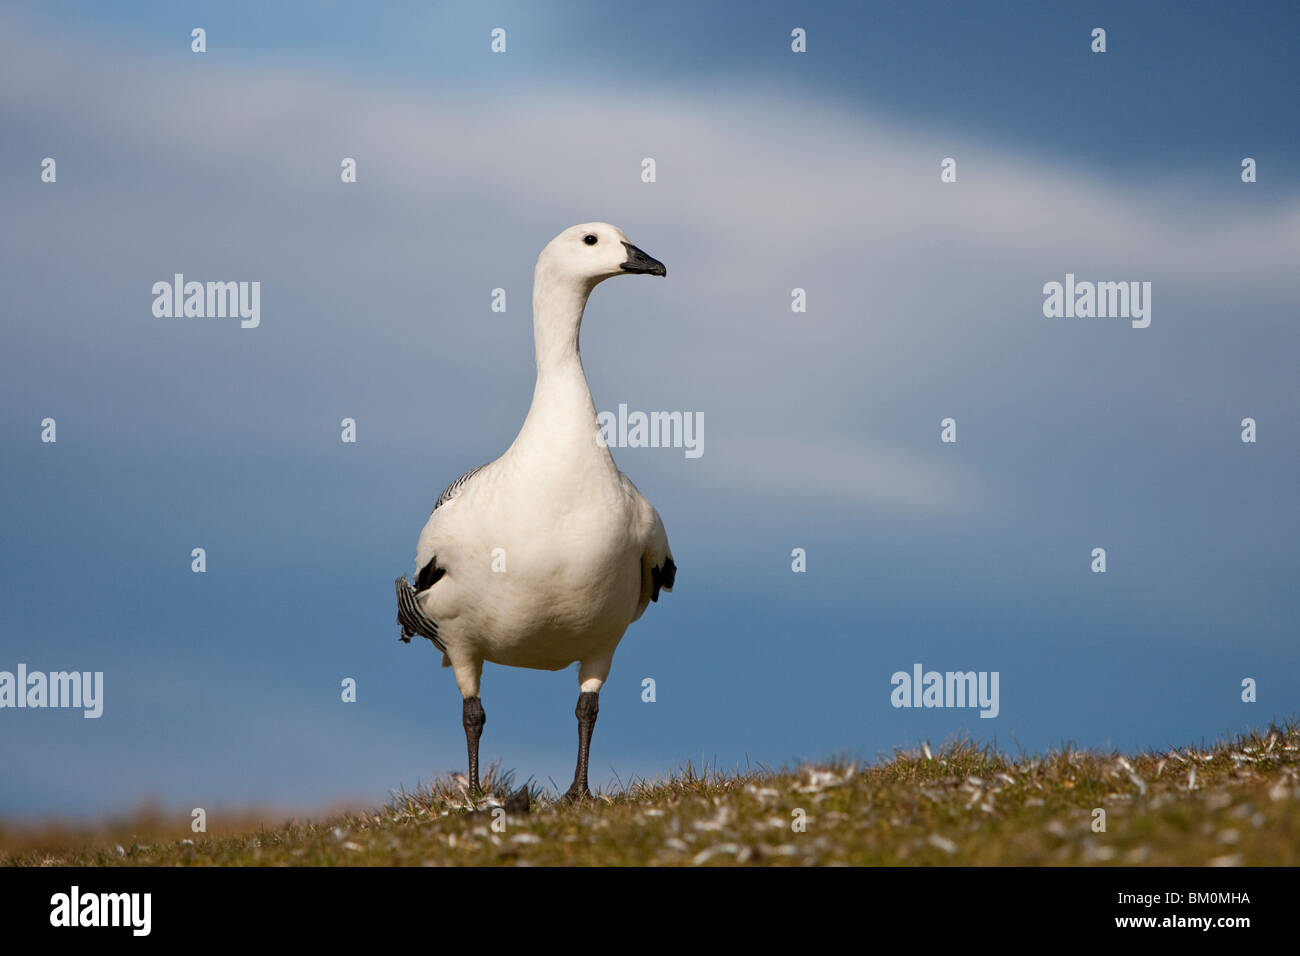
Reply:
x=592, y=252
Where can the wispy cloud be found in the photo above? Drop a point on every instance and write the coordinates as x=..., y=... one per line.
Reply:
x=757, y=194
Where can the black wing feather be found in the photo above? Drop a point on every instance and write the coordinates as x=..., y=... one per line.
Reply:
x=663, y=577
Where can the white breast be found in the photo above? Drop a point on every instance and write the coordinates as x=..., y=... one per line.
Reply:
x=542, y=555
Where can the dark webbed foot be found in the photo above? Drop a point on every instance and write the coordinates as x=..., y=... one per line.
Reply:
x=473, y=718
x=586, y=711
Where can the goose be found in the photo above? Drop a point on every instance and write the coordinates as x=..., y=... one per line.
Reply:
x=545, y=556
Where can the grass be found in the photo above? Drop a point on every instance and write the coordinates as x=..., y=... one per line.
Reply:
x=1235, y=803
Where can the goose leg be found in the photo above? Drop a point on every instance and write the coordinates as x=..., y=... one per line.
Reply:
x=473, y=718
x=586, y=711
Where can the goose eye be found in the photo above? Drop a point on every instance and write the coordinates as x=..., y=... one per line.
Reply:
x=589, y=239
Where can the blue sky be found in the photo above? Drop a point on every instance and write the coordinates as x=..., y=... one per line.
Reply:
x=776, y=170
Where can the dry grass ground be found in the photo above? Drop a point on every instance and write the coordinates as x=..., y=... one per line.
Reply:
x=1236, y=803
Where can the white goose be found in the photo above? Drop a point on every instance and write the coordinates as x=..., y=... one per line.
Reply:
x=546, y=555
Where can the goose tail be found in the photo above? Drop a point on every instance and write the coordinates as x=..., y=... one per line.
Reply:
x=412, y=618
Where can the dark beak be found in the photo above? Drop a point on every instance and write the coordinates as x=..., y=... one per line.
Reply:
x=640, y=263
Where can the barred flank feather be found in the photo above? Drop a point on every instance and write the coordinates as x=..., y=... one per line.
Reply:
x=412, y=618
x=453, y=489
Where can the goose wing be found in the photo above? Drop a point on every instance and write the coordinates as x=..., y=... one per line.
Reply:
x=658, y=570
